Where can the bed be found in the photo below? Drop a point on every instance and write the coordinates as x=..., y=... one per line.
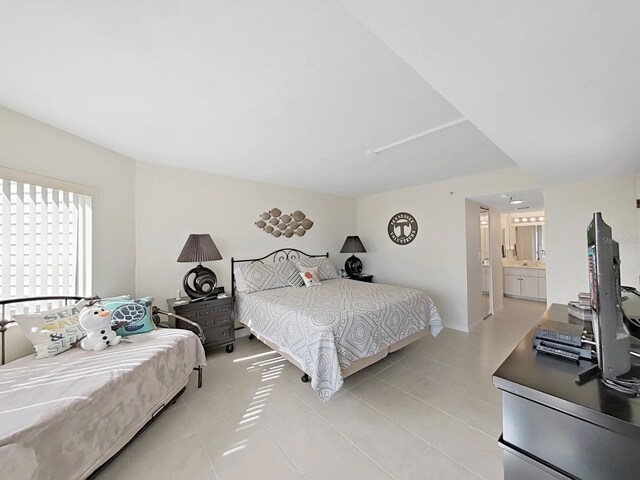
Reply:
x=68, y=415
x=335, y=329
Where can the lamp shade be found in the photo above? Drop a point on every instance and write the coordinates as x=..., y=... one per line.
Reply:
x=353, y=244
x=199, y=248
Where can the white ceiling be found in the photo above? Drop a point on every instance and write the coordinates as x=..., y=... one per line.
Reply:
x=294, y=92
x=533, y=199
x=555, y=84
x=285, y=91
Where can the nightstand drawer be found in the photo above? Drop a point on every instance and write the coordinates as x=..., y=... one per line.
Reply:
x=217, y=310
x=214, y=320
x=219, y=334
x=214, y=315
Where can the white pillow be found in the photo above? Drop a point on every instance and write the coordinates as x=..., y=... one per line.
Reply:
x=53, y=331
x=326, y=270
x=310, y=276
x=241, y=284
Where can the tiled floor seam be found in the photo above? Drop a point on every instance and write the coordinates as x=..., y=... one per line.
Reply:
x=416, y=436
x=204, y=447
x=282, y=449
x=342, y=434
x=437, y=408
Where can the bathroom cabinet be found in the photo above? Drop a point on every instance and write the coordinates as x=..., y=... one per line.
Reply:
x=525, y=282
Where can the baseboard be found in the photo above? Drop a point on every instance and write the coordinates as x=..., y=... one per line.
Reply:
x=531, y=299
x=476, y=324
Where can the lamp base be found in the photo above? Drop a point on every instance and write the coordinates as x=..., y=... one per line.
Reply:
x=353, y=266
x=203, y=283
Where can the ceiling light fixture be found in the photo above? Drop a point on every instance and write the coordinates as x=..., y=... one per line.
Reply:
x=522, y=208
x=539, y=219
x=515, y=202
x=444, y=126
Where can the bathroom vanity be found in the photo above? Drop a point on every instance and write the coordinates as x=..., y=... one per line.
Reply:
x=525, y=281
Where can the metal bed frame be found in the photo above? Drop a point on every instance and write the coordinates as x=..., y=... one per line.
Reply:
x=277, y=256
x=156, y=312
x=155, y=315
x=281, y=255
x=5, y=322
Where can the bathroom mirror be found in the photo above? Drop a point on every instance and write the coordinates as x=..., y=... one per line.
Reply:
x=524, y=242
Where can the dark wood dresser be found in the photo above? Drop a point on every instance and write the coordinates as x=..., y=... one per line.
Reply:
x=215, y=316
x=556, y=429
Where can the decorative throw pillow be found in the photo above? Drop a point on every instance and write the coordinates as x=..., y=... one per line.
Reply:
x=326, y=270
x=53, y=331
x=267, y=276
x=130, y=316
x=310, y=276
x=295, y=280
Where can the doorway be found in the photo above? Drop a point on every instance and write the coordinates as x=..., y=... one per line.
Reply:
x=519, y=268
x=485, y=262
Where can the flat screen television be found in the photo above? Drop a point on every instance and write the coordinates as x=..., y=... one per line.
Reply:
x=611, y=337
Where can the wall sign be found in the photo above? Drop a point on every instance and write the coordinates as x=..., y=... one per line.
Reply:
x=276, y=223
x=402, y=228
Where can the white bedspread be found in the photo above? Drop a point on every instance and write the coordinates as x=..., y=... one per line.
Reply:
x=328, y=327
x=59, y=415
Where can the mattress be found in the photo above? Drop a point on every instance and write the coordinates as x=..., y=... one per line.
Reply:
x=59, y=415
x=327, y=328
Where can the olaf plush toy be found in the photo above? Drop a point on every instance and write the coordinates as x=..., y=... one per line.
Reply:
x=96, y=320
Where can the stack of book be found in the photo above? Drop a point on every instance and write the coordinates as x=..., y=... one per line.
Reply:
x=582, y=308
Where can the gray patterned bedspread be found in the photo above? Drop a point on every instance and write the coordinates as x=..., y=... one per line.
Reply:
x=328, y=327
x=59, y=415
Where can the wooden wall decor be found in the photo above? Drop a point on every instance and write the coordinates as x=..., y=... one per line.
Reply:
x=276, y=223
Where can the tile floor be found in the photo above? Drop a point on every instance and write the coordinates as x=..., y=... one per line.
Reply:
x=428, y=411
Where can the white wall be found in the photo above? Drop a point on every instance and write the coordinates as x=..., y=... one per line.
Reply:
x=143, y=214
x=34, y=147
x=436, y=260
x=569, y=209
x=475, y=301
x=497, y=279
x=171, y=203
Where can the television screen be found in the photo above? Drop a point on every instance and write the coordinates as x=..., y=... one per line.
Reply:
x=611, y=338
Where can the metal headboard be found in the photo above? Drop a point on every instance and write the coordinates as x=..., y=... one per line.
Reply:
x=5, y=322
x=281, y=255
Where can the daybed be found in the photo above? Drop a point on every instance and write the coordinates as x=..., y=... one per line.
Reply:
x=335, y=329
x=63, y=417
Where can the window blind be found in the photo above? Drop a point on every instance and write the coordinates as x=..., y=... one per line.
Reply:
x=45, y=240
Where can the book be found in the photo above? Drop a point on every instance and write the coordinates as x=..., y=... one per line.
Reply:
x=585, y=315
x=580, y=306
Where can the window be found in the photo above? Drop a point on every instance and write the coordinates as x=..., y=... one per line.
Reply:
x=45, y=240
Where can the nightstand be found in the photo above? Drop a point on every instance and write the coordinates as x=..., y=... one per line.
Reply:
x=363, y=278
x=214, y=315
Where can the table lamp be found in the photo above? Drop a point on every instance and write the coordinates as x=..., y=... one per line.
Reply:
x=353, y=265
x=199, y=282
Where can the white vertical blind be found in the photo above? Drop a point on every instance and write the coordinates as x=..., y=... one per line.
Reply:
x=45, y=240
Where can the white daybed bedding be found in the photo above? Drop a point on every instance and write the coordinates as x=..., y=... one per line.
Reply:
x=326, y=329
x=62, y=417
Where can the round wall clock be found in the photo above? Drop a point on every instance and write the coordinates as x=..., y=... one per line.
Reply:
x=402, y=228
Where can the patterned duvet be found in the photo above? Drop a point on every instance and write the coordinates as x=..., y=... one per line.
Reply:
x=59, y=415
x=328, y=327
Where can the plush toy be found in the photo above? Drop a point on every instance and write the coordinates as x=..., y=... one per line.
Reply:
x=96, y=320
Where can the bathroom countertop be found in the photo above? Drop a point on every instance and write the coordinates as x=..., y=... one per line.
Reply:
x=532, y=267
